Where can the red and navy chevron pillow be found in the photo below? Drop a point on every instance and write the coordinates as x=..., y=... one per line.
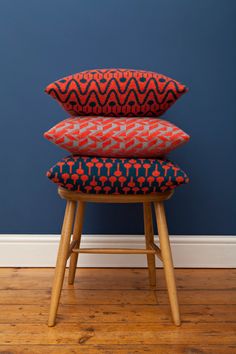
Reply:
x=124, y=137
x=116, y=92
x=97, y=175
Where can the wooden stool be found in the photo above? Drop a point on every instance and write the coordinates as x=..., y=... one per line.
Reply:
x=68, y=248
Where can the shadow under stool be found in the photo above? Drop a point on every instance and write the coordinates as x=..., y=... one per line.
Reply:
x=72, y=226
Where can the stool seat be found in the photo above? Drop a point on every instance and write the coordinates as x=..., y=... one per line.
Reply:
x=113, y=198
x=117, y=176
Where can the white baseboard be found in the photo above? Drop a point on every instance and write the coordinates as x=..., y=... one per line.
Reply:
x=188, y=251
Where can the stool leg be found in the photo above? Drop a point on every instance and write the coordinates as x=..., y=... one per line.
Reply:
x=78, y=224
x=167, y=261
x=61, y=260
x=149, y=236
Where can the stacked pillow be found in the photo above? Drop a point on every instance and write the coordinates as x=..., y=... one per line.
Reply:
x=117, y=143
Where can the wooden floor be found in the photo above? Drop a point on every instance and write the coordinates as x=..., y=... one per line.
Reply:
x=114, y=311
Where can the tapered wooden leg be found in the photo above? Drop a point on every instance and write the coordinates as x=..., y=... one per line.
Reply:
x=61, y=260
x=78, y=224
x=149, y=236
x=167, y=261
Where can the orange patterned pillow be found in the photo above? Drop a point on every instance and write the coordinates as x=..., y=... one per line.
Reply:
x=116, y=92
x=123, y=137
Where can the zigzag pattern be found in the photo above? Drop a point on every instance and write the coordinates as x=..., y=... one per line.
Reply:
x=124, y=137
x=116, y=92
x=116, y=176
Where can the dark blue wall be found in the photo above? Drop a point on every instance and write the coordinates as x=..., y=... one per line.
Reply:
x=192, y=41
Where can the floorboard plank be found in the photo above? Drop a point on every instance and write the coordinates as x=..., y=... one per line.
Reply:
x=89, y=278
x=116, y=297
x=118, y=349
x=118, y=333
x=117, y=314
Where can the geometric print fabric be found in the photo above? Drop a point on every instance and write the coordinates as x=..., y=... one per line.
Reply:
x=117, y=137
x=97, y=175
x=116, y=93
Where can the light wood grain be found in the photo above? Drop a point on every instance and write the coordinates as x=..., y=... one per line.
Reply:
x=157, y=250
x=118, y=279
x=118, y=320
x=119, y=349
x=149, y=238
x=61, y=260
x=114, y=198
x=167, y=261
x=77, y=230
x=154, y=313
x=70, y=249
x=114, y=250
x=117, y=297
x=118, y=333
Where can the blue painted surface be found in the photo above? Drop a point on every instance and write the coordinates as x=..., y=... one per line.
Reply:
x=191, y=41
